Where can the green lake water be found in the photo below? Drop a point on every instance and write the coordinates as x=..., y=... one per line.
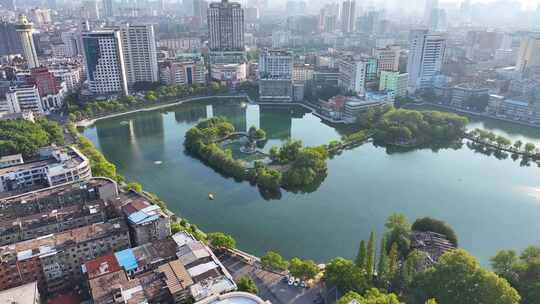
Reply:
x=491, y=203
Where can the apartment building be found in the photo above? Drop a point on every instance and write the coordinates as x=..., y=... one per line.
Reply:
x=53, y=166
x=52, y=210
x=55, y=260
x=184, y=71
x=387, y=58
x=352, y=74
x=22, y=98
x=147, y=222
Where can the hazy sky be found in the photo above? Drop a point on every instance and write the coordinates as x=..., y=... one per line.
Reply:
x=528, y=4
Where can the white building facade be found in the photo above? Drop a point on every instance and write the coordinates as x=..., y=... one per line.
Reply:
x=426, y=57
x=105, y=65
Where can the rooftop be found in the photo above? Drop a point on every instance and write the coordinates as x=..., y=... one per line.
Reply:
x=67, y=157
x=237, y=297
x=101, y=266
x=48, y=244
x=177, y=277
x=24, y=294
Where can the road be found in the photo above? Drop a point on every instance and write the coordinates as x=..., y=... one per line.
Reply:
x=270, y=284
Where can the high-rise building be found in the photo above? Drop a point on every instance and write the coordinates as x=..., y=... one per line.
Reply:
x=104, y=59
x=387, y=58
x=352, y=74
x=108, y=8
x=71, y=42
x=295, y=7
x=8, y=4
x=275, y=75
x=328, y=17
x=89, y=10
x=430, y=6
x=394, y=83
x=426, y=56
x=226, y=26
x=41, y=16
x=529, y=53
x=25, y=31
x=140, y=54
x=348, y=13
x=23, y=98
x=11, y=44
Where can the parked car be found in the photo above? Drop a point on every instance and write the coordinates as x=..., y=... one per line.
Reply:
x=291, y=281
x=285, y=279
x=296, y=282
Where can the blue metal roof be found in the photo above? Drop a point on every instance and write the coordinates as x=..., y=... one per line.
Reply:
x=126, y=259
x=137, y=217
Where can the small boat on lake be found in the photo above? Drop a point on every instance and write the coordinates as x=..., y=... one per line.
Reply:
x=211, y=196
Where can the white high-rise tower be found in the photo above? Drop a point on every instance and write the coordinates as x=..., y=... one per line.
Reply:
x=426, y=56
x=25, y=30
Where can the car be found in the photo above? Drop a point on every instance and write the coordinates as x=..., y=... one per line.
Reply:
x=285, y=279
x=303, y=284
x=296, y=282
x=291, y=281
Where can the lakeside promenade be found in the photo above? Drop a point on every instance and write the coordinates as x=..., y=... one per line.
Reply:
x=88, y=122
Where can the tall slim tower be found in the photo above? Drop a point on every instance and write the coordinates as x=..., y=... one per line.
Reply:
x=24, y=29
x=426, y=56
x=348, y=18
x=226, y=26
x=428, y=10
x=529, y=53
x=108, y=7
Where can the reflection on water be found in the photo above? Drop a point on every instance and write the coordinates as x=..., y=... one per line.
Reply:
x=530, y=191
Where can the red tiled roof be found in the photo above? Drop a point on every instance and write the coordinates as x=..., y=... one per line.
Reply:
x=65, y=299
x=102, y=265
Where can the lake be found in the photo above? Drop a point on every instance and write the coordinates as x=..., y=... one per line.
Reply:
x=491, y=203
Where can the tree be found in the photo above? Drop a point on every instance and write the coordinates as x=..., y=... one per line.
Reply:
x=370, y=259
x=373, y=296
x=518, y=144
x=135, y=187
x=26, y=137
x=221, y=240
x=398, y=232
x=345, y=275
x=176, y=227
x=458, y=278
x=437, y=226
x=529, y=147
x=392, y=261
x=274, y=261
x=504, y=262
x=523, y=273
x=305, y=269
x=361, y=256
x=383, y=262
x=502, y=142
x=431, y=301
x=246, y=284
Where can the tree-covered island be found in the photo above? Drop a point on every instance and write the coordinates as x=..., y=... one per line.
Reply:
x=292, y=167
